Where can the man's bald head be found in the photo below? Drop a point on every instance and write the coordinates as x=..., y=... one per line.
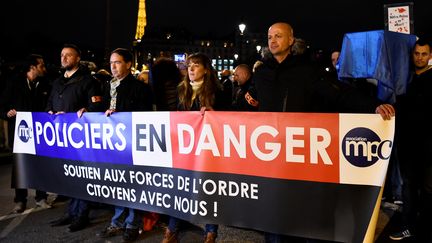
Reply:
x=280, y=39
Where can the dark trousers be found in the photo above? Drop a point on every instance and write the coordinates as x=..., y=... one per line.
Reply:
x=78, y=208
x=21, y=195
x=416, y=170
x=425, y=220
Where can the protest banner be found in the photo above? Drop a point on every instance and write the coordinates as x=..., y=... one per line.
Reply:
x=304, y=174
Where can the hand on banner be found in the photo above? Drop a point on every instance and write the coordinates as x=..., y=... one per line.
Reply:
x=109, y=112
x=386, y=111
x=57, y=113
x=11, y=113
x=80, y=112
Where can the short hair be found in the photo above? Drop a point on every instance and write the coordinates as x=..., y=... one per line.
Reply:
x=244, y=67
x=125, y=53
x=73, y=46
x=424, y=42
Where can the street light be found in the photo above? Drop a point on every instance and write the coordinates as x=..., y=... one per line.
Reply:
x=242, y=28
x=258, y=48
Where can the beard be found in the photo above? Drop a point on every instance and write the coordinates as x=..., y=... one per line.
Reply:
x=419, y=66
x=68, y=66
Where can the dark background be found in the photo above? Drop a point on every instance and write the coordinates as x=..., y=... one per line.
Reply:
x=97, y=26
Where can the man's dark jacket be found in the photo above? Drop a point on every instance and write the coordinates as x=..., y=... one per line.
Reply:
x=132, y=95
x=80, y=90
x=295, y=85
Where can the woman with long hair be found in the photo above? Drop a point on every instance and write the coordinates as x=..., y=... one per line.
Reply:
x=200, y=90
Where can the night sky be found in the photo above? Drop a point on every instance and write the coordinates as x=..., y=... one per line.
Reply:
x=44, y=25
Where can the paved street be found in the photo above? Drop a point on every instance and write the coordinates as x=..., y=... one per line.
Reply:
x=33, y=224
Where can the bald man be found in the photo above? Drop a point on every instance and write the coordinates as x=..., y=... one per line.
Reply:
x=245, y=95
x=334, y=58
x=284, y=83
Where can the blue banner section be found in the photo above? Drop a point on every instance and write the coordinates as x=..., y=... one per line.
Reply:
x=92, y=137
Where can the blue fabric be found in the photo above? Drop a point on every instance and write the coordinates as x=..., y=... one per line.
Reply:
x=211, y=228
x=132, y=220
x=381, y=55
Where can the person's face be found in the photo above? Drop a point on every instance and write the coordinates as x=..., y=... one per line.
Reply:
x=421, y=56
x=280, y=40
x=40, y=68
x=335, y=58
x=119, y=68
x=196, y=71
x=240, y=76
x=69, y=58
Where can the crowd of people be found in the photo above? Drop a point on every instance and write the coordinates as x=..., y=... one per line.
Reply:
x=284, y=80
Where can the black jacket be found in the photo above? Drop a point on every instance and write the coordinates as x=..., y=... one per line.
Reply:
x=132, y=95
x=80, y=90
x=245, y=98
x=412, y=109
x=220, y=104
x=297, y=86
x=17, y=95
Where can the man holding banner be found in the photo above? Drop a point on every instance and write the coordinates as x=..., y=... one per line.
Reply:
x=125, y=93
x=25, y=92
x=285, y=84
x=74, y=91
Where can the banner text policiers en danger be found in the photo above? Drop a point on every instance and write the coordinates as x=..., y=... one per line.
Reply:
x=246, y=169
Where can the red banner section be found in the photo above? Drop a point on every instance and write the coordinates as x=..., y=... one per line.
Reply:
x=296, y=146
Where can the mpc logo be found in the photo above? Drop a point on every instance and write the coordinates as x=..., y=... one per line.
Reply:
x=362, y=147
x=24, y=138
x=24, y=131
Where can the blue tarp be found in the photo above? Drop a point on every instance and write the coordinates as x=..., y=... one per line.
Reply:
x=381, y=55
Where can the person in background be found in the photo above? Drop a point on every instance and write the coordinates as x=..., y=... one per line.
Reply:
x=144, y=76
x=165, y=78
x=334, y=58
x=102, y=76
x=245, y=96
x=125, y=93
x=415, y=160
x=27, y=91
x=74, y=91
x=183, y=69
x=228, y=86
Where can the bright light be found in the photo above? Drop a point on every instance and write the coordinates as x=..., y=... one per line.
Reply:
x=236, y=56
x=242, y=28
x=258, y=48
